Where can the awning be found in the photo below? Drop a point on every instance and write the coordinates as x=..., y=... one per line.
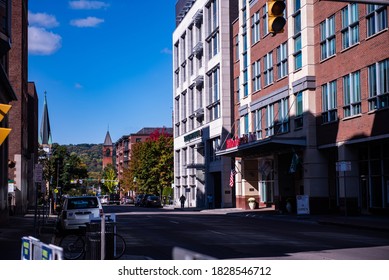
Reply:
x=267, y=145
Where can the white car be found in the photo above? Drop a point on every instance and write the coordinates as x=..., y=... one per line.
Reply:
x=104, y=199
x=79, y=210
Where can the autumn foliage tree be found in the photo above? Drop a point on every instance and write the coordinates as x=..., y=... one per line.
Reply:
x=151, y=164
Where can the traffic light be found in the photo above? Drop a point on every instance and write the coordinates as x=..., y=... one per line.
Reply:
x=276, y=20
x=4, y=132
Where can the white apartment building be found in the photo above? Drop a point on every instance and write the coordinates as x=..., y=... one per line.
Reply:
x=202, y=97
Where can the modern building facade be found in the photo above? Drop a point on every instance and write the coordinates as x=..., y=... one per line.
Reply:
x=310, y=106
x=202, y=90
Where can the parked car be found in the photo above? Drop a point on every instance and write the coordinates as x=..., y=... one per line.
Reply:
x=139, y=199
x=114, y=198
x=79, y=210
x=127, y=200
x=153, y=201
x=104, y=199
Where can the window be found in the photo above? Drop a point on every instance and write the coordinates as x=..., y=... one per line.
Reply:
x=255, y=28
x=244, y=125
x=265, y=30
x=327, y=37
x=352, y=94
x=268, y=68
x=329, y=109
x=258, y=123
x=283, y=116
x=282, y=61
x=237, y=48
x=378, y=75
x=350, y=26
x=256, y=75
x=214, y=147
x=245, y=76
x=214, y=97
x=377, y=18
x=213, y=45
x=298, y=121
x=213, y=20
x=269, y=120
x=237, y=88
x=297, y=54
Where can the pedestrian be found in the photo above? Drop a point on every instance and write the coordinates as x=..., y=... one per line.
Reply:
x=210, y=201
x=182, y=200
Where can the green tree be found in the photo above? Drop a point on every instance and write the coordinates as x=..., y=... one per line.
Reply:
x=110, y=179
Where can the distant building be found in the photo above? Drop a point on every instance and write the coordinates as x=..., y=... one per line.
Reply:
x=108, y=152
x=124, y=145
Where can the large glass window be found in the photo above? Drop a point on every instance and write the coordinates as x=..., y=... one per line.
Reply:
x=352, y=94
x=256, y=75
x=298, y=121
x=379, y=85
x=269, y=120
x=258, y=123
x=255, y=28
x=350, y=26
x=283, y=116
x=327, y=38
x=268, y=68
x=282, y=61
x=377, y=18
x=214, y=95
x=329, y=104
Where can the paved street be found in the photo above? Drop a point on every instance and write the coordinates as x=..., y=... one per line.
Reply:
x=153, y=233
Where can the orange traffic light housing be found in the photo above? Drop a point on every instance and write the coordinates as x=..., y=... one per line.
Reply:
x=276, y=18
x=4, y=132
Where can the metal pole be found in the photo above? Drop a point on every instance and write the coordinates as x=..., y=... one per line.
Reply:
x=345, y=193
x=102, y=237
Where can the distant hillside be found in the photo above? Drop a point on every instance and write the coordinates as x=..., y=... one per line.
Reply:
x=91, y=155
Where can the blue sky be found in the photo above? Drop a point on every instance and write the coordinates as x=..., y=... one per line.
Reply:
x=105, y=65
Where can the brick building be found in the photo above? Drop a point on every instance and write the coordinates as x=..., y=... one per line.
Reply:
x=7, y=95
x=310, y=106
x=23, y=147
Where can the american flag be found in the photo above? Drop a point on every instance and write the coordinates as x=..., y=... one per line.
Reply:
x=232, y=175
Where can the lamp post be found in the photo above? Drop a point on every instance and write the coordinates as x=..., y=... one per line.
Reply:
x=134, y=181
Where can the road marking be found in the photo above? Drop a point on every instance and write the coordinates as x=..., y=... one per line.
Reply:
x=174, y=222
x=217, y=232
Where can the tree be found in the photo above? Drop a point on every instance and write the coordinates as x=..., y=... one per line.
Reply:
x=151, y=164
x=110, y=180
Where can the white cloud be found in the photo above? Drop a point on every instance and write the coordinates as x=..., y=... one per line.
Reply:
x=87, y=5
x=86, y=22
x=42, y=42
x=42, y=19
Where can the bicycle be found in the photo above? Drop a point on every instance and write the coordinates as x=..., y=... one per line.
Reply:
x=75, y=246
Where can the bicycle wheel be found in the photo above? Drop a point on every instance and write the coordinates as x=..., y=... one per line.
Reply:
x=73, y=246
x=119, y=246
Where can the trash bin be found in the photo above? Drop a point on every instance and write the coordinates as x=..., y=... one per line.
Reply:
x=93, y=241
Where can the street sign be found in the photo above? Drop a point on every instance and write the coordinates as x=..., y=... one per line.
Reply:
x=343, y=166
x=38, y=173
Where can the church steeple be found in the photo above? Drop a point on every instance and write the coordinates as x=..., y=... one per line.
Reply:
x=107, y=150
x=45, y=131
